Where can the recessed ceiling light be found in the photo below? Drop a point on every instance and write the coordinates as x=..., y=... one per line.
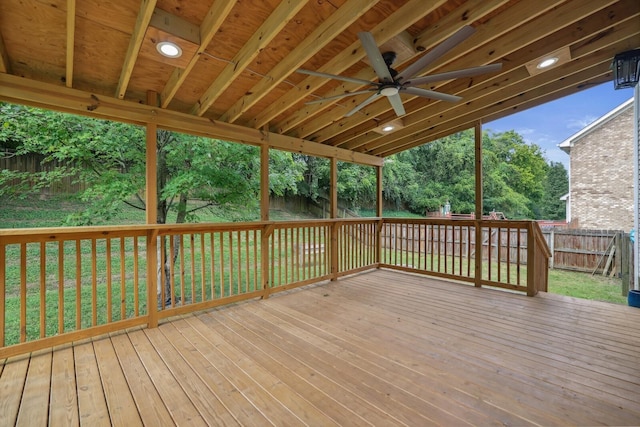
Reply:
x=547, y=62
x=169, y=49
x=389, y=127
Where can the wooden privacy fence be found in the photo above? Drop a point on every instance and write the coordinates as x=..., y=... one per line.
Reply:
x=591, y=251
x=59, y=285
x=37, y=163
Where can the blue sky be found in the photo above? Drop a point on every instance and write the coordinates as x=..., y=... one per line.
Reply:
x=549, y=124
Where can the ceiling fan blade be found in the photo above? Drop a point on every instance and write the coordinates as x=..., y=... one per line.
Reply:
x=342, y=95
x=467, y=72
x=333, y=76
x=363, y=104
x=396, y=103
x=430, y=94
x=435, y=53
x=374, y=55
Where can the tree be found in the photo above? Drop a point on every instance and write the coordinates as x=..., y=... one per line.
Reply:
x=556, y=186
x=193, y=173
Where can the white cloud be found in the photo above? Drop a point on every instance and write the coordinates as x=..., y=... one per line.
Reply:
x=580, y=123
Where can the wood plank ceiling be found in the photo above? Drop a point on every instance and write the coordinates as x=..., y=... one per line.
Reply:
x=239, y=58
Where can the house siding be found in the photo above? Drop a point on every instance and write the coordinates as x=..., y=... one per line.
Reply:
x=602, y=176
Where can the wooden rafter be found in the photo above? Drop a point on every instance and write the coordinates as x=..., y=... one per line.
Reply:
x=110, y=53
x=509, y=42
x=17, y=89
x=142, y=22
x=491, y=89
x=4, y=58
x=458, y=58
x=325, y=32
x=71, y=32
x=260, y=39
x=210, y=25
x=413, y=10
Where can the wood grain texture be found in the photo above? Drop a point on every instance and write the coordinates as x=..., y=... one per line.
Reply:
x=381, y=348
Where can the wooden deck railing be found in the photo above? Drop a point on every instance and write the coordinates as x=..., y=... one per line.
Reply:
x=447, y=248
x=59, y=285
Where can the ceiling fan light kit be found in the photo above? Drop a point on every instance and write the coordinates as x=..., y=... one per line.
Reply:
x=391, y=83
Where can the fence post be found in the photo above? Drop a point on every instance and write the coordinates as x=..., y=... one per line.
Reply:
x=552, y=247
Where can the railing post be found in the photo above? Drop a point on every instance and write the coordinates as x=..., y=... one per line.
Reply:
x=478, y=254
x=335, y=225
x=379, y=226
x=3, y=280
x=265, y=272
x=152, y=277
x=531, y=261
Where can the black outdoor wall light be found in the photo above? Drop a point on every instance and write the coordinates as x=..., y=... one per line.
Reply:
x=626, y=69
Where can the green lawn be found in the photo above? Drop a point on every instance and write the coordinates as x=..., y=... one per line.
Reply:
x=51, y=212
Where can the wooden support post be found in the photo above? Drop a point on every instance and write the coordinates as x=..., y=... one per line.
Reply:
x=151, y=189
x=151, y=214
x=264, y=216
x=334, y=215
x=264, y=183
x=479, y=207
x=379, y=206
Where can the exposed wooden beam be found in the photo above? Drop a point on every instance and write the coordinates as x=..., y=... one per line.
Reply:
x=45, y=95
x=503, y=43
x=71, y=33
x=323, y=34
x=5, y=66
x=389, y=27
x=557, y=88
x=210, y=26
x=584, y=33
x=269, y=29
x=142, y=22
x=598, y=51
x=411, y=12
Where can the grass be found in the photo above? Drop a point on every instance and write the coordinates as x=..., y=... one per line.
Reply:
x=586, y=286
x=51, y=212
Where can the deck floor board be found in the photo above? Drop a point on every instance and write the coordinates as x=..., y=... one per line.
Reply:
x=377, y=348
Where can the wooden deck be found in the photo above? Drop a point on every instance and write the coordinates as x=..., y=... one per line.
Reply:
x=379, y=348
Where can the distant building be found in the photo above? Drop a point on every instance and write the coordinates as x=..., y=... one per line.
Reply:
x=601, y=172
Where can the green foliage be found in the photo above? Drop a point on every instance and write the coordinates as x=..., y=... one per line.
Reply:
x=556, y=186
x=197, y=174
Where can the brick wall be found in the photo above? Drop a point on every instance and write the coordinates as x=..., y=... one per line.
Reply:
x=602, y=176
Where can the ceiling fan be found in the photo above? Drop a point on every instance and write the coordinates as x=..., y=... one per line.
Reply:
x=391, y=82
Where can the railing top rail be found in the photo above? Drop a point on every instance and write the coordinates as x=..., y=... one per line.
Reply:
x=541, y=242
x=523, y=224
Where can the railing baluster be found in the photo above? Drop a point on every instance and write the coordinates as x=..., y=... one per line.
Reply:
x=78, y=286
x=23, y=294
x=136, y=278
x=43, y=290
x=123, y=280
x=94, y=282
